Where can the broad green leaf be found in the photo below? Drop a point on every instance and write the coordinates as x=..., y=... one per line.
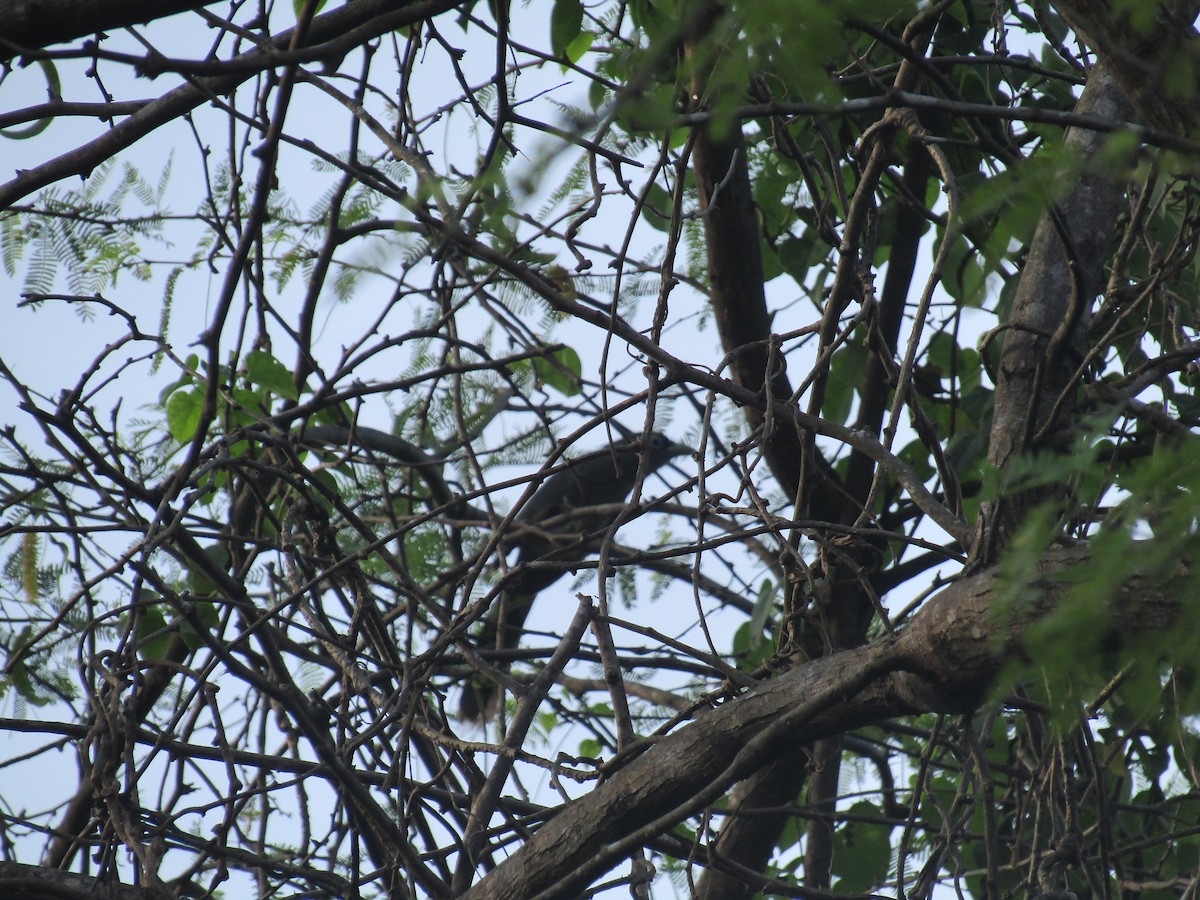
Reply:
x=748, y=649
x=845, y=376
x=199, y=582
x=209, y=614
x=580, y=45
x=797, y=255
x=265, y=370
x=563, y=371
x=764, y=604
x=153, y=636
x=589, y=748
x=862, y=850
x=299, y=6
x=183, y=414
x=566, y=19
x=658, y=208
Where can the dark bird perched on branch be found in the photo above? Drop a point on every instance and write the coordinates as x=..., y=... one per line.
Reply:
x=564, y=519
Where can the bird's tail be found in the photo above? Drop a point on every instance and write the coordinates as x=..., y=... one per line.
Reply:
x=480, y=701
x=502, y=628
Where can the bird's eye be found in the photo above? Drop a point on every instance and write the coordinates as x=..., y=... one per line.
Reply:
x=658, y=441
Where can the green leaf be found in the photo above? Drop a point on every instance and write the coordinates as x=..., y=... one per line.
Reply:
x=764, y=603
x=247, y=405
x=771, y=267
x=597, y=94
x=265, y=370
x=20, y=680
x=580, y=45
x=566, y=19
x=199, y=582
x=589, y=748
x=658, y=208
x=917, y=456
x=749, y=650
x=153, y=637
x=965, y=280
x=184, y=409
x=845, y=375
x=209, y=614
x=562, y=370
x=797, y=255
x=862, y=851
x=299, y=5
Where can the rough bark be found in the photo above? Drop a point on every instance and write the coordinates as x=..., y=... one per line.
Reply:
x=22, y=882
x=32, y=24
x=1157, y=67
x=1043, y=337
x=946, y=661
x=758, y=815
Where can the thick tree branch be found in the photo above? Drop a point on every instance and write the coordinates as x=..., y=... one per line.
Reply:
x=29, y=25
x=1061, y=278
x=1158, y=67
x=946, y=661
x=736, y=287
x=22, y=882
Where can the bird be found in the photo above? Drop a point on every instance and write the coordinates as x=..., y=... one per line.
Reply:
x=579, y=502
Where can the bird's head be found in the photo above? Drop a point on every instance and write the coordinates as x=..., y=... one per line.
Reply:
x=660, y=449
